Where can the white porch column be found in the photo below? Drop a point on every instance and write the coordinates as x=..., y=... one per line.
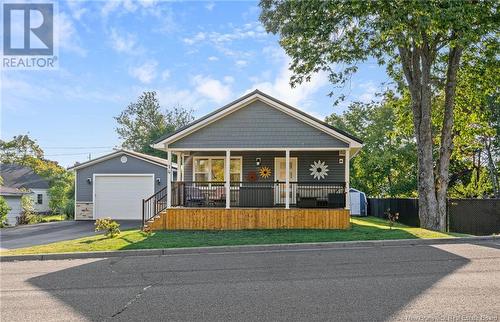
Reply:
x=347, y=159
x=287, y=179
x=180, y=167
x=227, y=175
x=179, y=156
x=169, y=179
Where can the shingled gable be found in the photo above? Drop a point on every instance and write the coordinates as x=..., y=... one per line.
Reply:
x=315, y=133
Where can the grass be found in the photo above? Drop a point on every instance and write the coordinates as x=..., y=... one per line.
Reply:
x=369, y=228
x=50, y=218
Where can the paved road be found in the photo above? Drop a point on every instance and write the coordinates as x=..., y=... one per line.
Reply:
x=458, y=282
x=39, y=234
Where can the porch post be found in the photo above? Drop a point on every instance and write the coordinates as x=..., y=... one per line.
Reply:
x=178, y=155
x=347, y=200
x=169, y=179
x=287, y=179
x=227, y=174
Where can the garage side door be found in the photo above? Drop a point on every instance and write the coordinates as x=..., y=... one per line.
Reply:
x=120, y=197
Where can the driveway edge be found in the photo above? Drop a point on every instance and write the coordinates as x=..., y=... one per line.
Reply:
x=249, y=248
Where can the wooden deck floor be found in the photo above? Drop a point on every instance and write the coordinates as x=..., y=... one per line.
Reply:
x=250, y=218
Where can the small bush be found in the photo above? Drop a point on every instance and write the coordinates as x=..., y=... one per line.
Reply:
x=69, y=210
x=393, y=217
x=28, y=215
x=111, y=227
x=4, y=210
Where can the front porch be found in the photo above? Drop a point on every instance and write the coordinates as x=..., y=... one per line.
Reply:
x=243, y=189
x=255, y=163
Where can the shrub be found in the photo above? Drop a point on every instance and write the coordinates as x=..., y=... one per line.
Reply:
x=69, y=210
x=393, y=217
x=111, y=227
x=28, y=215
x=4, y=210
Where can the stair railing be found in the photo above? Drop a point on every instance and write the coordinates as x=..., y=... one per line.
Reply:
x=154, y=205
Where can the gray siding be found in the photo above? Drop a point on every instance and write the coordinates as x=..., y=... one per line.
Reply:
x=114, y=165
x=304, y=159
x=258, y=125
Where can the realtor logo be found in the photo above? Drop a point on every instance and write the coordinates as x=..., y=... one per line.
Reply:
x=37, y=33
x=28, y=35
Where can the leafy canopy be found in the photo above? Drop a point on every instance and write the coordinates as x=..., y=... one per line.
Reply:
x=335, y=35
x=143, y=122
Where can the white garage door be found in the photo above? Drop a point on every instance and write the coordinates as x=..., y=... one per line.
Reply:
x=120, y=197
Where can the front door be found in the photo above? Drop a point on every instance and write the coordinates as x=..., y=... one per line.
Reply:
x=280, y=176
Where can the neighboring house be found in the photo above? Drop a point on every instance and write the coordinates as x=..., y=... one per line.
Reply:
x=256, y=153
x=13, y=198
x=23, y=177
x=115, y=184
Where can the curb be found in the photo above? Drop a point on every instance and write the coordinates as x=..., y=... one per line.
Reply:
x=249, y=248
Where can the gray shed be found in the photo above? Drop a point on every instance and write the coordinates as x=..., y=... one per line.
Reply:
x=13, y=198
x=359, y=203
x=115, y=184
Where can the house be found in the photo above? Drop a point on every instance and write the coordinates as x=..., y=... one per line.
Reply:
x=23, y=177
x=255, y=163
x=13, y=198
x=114, y=185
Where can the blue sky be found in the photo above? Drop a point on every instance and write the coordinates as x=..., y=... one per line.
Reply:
x=200, y=55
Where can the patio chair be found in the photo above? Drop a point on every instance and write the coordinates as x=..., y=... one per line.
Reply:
x=195, y=197
x=218, y=197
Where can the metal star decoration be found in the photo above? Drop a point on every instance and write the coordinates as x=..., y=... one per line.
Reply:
x=319, y=170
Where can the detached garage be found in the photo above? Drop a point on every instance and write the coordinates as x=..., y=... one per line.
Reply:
x=115, y=184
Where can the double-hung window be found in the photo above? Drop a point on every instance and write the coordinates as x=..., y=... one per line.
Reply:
x=212, y=169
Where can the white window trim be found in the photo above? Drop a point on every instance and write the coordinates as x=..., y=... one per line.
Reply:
x=210, y=158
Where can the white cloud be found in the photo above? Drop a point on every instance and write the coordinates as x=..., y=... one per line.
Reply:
x=165, y=74
x=77, y=11
x=123, y=42
x=195, y=39
x=170, y=96
x=369, y=92
x=247, y=31
x=213, y=89
x=145, y=73
x=213, y=58
x=210, y=6
x=68, y=38
x=229, y=79
x=280, y=88
x=241, y=63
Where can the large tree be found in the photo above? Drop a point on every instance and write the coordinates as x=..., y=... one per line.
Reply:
x=422, y=40
x=144, y=121
x=385, y=167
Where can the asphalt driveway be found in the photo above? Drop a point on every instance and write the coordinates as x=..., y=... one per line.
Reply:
x=40, y=234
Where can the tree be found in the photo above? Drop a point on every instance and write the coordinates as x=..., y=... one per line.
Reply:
x=385, y=167
x=19, y=149
x=28, y=215
x=4, y=211
x=143, y=122
x=61, y=193
x=26, y=151
x=420, y=42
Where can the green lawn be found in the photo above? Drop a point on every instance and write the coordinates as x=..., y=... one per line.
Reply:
x=50, y=218
x=362, y=229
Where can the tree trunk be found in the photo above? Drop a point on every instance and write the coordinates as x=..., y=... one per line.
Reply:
x=416, y=64
x=492, y=169
x=446, y=147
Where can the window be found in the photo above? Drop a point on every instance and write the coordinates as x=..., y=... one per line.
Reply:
x=213, y=169
x=39, y=199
